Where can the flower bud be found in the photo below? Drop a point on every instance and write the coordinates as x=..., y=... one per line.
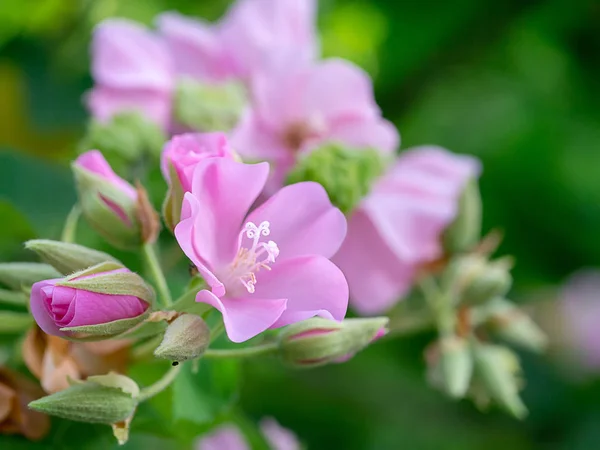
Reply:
x=464, y=233
x=498, y=370
x=105, y=300
x=205, y=106
x=315, y=342
x=510, y=323
x=451, y=366
x=108, y=202
x=345, y=173
x=128, y=135
x=67, y=257
x=19, y=275
x=474, y=280
x=187, y=337
x=90, y=401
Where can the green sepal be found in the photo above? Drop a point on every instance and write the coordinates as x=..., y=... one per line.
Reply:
x=171, y=208
x=187, y=337
x=109, y=329
x=456, y=366
x=17, y=275
x=67, y=257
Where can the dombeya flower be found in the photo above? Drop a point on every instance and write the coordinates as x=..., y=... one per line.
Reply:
x=398, y=226
x=132, y=70
x=332, y=101
x=108, y=201
x=268, y=268
x=93, y=297
x=229, y=437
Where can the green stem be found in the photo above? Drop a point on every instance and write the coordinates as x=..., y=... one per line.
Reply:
x=70, y=228
x=160, y=385
x=410, y=323
x=248, y=352
x=157, y=273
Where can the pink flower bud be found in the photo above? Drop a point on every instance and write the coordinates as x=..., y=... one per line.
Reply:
x=65, y=303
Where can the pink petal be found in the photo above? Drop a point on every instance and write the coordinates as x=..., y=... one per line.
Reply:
x=312, y=285
x=224, y=190
x=255, y=141
x=375, y=133
x=104, y=102
x=303, y=221
x=278, y=437
x=377, y=278
x=92, y=308
x=417, y=199
x=38, y=301
x=244, y=318
x=226, y=437
x=196, y=47
x=126, y=55
x=94, y=162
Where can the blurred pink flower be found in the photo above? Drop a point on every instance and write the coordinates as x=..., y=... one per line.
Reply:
x=132, y=70
x=251, y=36
x=297, y=108
x=580, y=306
x=278, y=437
x=398, y=225
x=257, y=284
x=54, y=307
x=184, y=151
x=229, y=437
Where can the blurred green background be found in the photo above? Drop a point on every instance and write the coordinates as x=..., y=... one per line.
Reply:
x=516, y=83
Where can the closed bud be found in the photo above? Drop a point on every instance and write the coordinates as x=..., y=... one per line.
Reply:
x=127, y=135
x=187, y=337
x=206, y=107
x=346, y=174
x=67, y=257
x=89, y=402
x=108, y=202
x=512, y=324
x=464, y=233
x=19, y=275
x=315, y=342
x=450, y=366
x=498, y=370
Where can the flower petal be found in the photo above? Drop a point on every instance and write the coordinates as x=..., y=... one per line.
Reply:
x=312, y=285
x=39, y=310
x=91, y=308
x=225, y=437
x=244, y=318
x=303, y=221
x=374, y=133
x=224, y=190
x=377, y=278
x=94, y=162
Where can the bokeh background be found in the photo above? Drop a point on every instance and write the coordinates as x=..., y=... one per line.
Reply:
x=516, y=83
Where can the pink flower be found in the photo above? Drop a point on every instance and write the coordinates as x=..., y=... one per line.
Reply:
x=55, y=307
x=580, y=306
x=94, y=163
x=229, y=437
x=185, y=151
x=299, y=108
x=398, y=226
x=278, y=437
x=256, y=283
x=133, y=72
x=251, y=36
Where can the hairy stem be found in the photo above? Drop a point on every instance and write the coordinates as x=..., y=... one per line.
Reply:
x=160, y=385
x=248, y=352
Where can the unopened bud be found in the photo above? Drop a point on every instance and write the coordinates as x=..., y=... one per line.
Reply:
x=318, y=341
x=209, y=106
x=19, y=275
x=451, y=366
x=498, y=370
x=67, y=257
x=464, y=233
x=187, y=337
x=90, y=402
x=346, y=174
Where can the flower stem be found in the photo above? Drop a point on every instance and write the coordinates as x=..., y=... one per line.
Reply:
x=70, y=228
x=160, y=385
x=157, y=273
x=248, y=352
x=410, y=323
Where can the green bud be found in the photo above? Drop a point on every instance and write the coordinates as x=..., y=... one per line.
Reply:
x=89, y=402
x=187, y=337
x=346, y=174
x=498, y=370
x=18, y=275
x=95, y=195
x=464, y=233
x=315, y=342
x=115, y=380
x=452, y=367
x=510, y=323
x=209, y=106
x=66, y=257
x=128, y=135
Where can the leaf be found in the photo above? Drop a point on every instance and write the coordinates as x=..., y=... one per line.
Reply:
x=14, y=322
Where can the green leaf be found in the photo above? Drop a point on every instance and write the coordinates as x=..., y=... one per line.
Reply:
x=14, y=322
